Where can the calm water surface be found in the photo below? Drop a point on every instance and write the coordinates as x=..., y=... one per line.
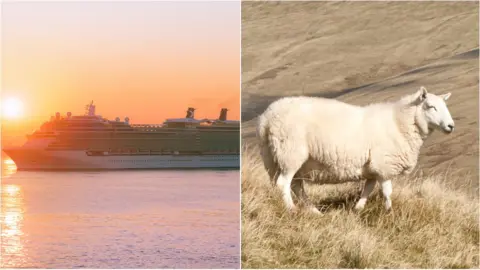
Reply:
x=120, y=219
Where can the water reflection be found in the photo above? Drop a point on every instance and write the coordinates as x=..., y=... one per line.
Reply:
x=9, y=167
x=11, y=221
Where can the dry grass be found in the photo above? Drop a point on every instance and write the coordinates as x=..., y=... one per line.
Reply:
x=434, y=225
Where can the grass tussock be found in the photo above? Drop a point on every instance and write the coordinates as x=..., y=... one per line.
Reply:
x=433, y=225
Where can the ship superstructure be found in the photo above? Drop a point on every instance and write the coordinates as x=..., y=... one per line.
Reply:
x=90, y=141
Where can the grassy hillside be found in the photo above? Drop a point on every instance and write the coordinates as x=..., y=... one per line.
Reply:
x=361, y=53
x=433, y=225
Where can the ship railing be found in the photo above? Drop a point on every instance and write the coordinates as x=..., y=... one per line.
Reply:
x=160, y=127
x=136, y=151
x=147, y=125
x=152, y=127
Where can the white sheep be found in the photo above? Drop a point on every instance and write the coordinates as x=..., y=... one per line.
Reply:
x=332, y=142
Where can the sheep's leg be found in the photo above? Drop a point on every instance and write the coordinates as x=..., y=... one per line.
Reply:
x=284, y=182
x=387, y=192
x=367, y=189
x=269, y=163
x=290, y=158
x=298, y=188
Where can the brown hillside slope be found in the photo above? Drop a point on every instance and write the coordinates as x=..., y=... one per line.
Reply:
x=367, y=52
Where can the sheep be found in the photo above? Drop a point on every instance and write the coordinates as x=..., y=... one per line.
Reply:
x=328, y=141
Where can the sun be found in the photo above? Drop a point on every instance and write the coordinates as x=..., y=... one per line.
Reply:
x=12, y=108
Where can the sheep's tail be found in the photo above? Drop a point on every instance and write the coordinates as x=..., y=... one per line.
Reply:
x=263, y=134
x=262, y=131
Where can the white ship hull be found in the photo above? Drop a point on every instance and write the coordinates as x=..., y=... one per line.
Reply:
x=29, y=159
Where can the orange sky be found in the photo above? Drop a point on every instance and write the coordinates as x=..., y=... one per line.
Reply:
x=148, y=61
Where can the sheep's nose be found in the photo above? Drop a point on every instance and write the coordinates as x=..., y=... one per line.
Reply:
x=451, y=127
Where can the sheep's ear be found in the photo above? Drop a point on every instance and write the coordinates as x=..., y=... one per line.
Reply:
x=446, y=96
x=422, y=94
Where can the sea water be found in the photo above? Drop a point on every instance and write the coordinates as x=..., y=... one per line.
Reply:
x=120, y=219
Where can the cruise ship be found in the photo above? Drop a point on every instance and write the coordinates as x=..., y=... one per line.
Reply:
x=90, y=141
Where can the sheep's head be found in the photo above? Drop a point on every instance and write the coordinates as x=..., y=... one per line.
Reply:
x=433, y=110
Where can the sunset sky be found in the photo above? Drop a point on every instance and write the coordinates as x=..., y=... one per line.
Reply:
x=148, y=61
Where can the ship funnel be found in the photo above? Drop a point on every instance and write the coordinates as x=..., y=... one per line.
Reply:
x=90, y=109
x=191, y=113
x=223, y=114
x=117, y=119
x=57, y=116
x=126, y=120
x=69, y=114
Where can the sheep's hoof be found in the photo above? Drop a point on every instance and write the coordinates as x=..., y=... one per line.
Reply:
x=314, y=210
x=293, y=209
x=388, y=206
x=358, y=207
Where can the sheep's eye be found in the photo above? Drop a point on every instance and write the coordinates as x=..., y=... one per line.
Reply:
x=431, y=107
